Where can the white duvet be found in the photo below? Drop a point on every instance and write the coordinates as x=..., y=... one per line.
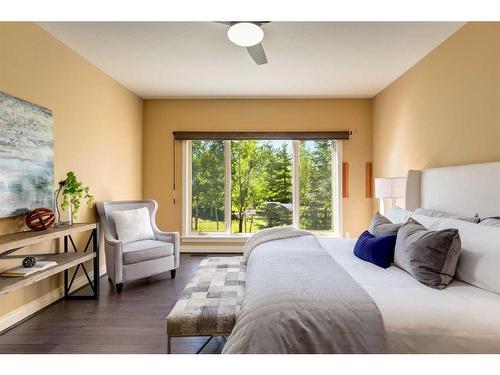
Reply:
x=418, y=319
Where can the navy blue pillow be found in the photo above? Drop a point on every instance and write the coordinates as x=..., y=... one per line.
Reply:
x=376, y=250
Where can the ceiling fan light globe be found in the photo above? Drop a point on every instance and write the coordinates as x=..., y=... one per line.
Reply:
x=245, y=34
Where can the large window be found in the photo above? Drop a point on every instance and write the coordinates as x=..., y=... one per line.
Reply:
x=238, y=187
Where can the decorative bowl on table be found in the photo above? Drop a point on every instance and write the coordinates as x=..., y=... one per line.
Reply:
x=40, y=219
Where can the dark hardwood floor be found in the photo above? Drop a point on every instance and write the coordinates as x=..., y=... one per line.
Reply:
x=130, y=322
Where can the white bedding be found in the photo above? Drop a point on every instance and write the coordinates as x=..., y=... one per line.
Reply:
x=419, y=319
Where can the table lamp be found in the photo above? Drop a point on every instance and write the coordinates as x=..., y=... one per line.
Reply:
x=389, y=188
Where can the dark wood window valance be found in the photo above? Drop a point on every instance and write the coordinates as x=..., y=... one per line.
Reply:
x=338, y=135
x=233, y=136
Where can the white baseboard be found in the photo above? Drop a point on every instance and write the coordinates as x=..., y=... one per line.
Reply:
x=211, y=249
x=15, y=316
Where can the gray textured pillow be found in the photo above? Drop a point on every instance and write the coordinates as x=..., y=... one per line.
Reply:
x=429, y=256
x=381, y=226
x=442, y=214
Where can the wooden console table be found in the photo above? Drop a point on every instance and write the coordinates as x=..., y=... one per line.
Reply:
x=11, y=243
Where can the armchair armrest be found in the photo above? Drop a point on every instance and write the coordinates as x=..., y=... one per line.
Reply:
x=173, y=238
x=114, y=259
x=112, y=241
x=165, y=236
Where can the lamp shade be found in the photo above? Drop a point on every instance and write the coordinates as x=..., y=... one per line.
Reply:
x=390, y=187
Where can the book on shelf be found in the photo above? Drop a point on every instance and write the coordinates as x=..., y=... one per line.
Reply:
x=22, y=271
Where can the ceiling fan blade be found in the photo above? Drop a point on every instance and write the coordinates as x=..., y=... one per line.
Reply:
x=258, y=54
x=231, y=23
x=227, y=23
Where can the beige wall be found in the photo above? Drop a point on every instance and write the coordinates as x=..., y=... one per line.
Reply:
x=161, y=117
x=97, y=125
x=445, y=110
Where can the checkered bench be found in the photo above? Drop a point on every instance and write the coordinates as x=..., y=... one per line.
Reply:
x=210, y=303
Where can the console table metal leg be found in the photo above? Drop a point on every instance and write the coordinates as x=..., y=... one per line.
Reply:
x=66, y=271
x=95, y=245
x=94, y=284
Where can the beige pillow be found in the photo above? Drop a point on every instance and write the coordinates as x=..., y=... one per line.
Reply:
x=133, y=225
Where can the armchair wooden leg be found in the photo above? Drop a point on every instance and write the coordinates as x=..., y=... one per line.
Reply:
x=172, y=274
x=119, y=287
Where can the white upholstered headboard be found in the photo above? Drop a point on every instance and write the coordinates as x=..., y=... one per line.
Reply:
x=462, y=190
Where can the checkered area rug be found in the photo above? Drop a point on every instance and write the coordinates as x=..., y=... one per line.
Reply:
x=210, y=303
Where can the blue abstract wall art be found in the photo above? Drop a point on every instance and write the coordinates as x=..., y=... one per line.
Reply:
x=26, y=156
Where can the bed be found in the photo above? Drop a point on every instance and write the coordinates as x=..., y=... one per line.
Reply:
x=284, y=280
x=417, y=319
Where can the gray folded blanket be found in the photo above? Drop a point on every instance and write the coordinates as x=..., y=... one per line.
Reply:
x=299, y=300
x=271, y=234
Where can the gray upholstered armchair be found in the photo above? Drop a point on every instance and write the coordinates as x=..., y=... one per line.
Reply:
x=139, y=259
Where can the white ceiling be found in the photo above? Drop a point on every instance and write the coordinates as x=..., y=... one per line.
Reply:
x=306, y=59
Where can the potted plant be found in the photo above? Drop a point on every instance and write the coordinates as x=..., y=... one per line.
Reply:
x=73, y=191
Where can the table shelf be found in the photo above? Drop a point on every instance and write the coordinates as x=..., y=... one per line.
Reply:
x=64, y=261
x=11, y=243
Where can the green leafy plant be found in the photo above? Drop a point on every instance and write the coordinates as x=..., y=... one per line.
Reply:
x=73, y=192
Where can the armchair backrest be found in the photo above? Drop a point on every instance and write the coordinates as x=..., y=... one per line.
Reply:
x=106, y=208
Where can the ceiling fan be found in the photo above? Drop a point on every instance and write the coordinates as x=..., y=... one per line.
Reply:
x=248, y=34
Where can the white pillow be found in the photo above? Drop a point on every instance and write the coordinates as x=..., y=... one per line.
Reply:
x=133, y=225
x=491, y=221
x=429, y=222
x=398, y=215
x=479, y=262
x=447, y=215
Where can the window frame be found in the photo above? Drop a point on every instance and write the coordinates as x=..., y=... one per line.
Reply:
x=226, y=235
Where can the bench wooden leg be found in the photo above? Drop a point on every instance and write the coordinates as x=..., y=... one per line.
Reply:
x=169, y=344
